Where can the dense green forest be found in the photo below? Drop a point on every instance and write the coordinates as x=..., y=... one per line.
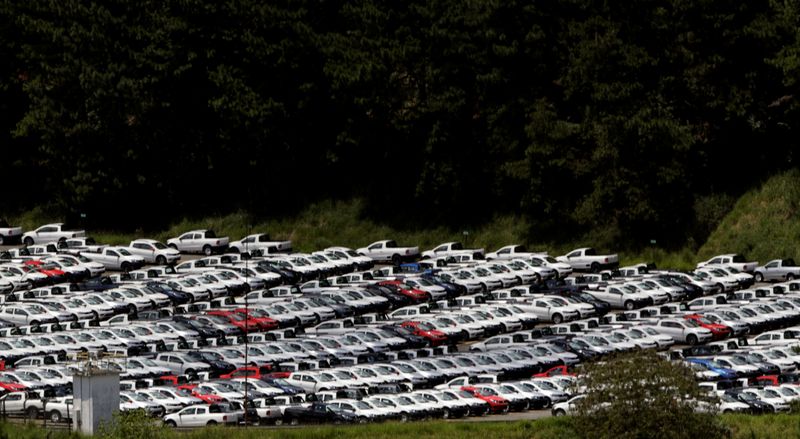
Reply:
x=630, y=120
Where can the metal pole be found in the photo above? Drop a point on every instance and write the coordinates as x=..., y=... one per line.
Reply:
x=247, y=331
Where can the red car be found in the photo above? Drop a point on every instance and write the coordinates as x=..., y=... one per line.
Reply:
x=554, y=371
x=169, y=380
x=426, y=331
x=237, y=319
x=249, y=372
x=718, y=332
x=776, y=380
x=404, y=289
x=264, y=323
x=52, y=272
x=208, y=398
x=497, y=404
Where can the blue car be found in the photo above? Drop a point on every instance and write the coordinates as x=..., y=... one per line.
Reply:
x=713, y=366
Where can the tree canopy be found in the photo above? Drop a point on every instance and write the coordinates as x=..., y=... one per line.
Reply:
x=641, y=395
x=635, y=120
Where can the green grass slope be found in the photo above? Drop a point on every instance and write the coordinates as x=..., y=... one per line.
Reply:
x=764, y=224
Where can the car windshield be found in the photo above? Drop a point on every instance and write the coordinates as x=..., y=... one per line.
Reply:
x=486, y=391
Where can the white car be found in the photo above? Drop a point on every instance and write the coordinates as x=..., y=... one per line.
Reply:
x=730, y=260
x=683, y=331
x=200, y=415
x=154, y=252
x=550, y=309
x=388, y=251
x=8, y=234
x=451, y=248
x=199, y=241
x=566, y=407
x=260, y=241
x=587, y=259
x=50, y=233
x=515, y=251
x=116, y=258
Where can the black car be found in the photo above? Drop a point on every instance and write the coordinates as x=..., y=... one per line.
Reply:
x=218, y=365
x=175, y=296
x=412, y=341
x=94, y=284
x=756, y=405
x=317, y=413
x=600, y=307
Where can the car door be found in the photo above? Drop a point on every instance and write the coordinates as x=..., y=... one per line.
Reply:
x=46, y=233
x=186, y=417
x=773, y=272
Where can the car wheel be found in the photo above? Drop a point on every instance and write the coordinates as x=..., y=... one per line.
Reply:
x=95, y=315
x=691, y=339
x=669, y=297
x=547, y=402
x=790, y=276
x=559, y=412
x=161, y=260
x=294, y=421
x=234, y=250
x=2, y=240
x=595, y=267
x=278, y=422
x=361, y=420
x=171, y=424
x=721, y=287
x=484, y=288
x=403, y=417
x=557, y=318
x=505, y=410
x=207, y=250
x=125, y=267
x=131, y=309
x=32, y=412
x=446, y=414
x=34, y=323
x=629, y=305
x=211, y=423
x=759, y=277
x=55, y=416
x=28, y=241
x=527, y=406
x=504, y=328
x=396, y=259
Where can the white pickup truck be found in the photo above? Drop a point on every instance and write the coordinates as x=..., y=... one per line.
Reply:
x=515, y=251
x=8, y=234
x=388, y=250
x=50, y=233
x=584, y=259
x=200, y=415
x=83, y=243
x=778, y=269
x=199, y=241
x=731, y=260
x=116, y=258
x=260, y=241
x=32, y=405
x=453, y=248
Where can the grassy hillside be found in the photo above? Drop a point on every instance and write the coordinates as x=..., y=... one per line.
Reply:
x=764, y=224
x=330, y=223
x=318, y=226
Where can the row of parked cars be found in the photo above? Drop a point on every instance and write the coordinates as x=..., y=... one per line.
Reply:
x=382, y=332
